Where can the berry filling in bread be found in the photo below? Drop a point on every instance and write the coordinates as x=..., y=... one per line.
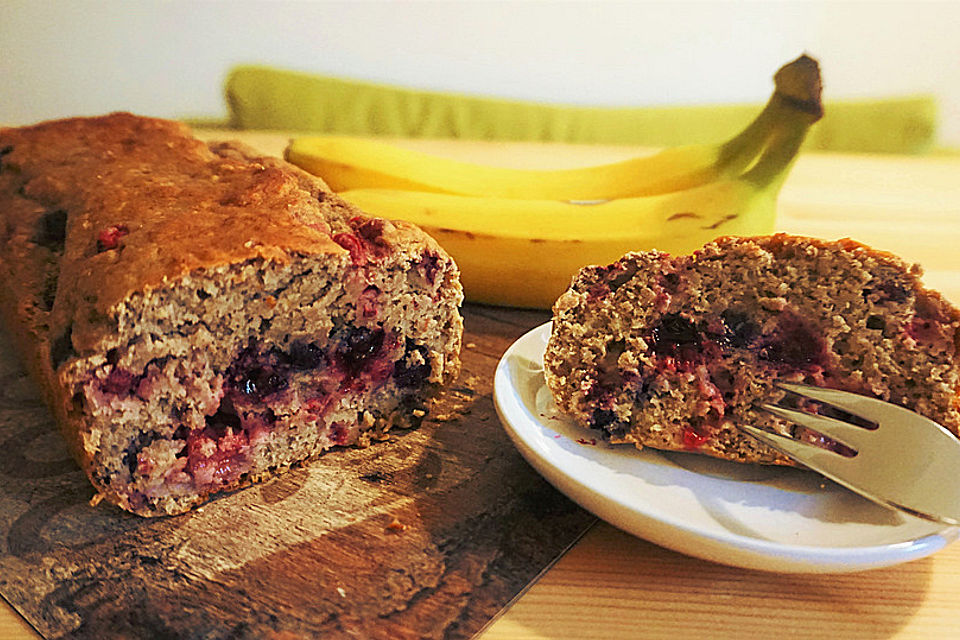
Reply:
x=285, y=393
x=263, y=393
x=673, y=352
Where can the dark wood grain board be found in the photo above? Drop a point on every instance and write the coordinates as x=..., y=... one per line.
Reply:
x=426, y=535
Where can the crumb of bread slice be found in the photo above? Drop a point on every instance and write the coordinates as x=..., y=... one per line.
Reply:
x=672, y=352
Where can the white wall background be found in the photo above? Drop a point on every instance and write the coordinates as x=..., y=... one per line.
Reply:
x=169, y=58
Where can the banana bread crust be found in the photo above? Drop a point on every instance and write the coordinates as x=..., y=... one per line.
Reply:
x=126, y=244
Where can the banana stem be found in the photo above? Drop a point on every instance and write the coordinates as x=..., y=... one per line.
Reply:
x=773, y=166
x=797, y=91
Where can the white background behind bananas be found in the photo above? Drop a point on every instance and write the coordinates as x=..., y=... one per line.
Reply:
x=59, y=58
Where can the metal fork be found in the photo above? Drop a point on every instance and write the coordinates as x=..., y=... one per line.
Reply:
x=908, y=462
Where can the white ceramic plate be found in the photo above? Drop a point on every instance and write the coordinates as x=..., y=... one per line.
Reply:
x=767, y=518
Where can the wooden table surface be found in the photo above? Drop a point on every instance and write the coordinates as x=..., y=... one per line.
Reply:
x=613, y=585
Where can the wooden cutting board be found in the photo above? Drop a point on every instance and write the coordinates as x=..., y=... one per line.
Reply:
x=426, y=535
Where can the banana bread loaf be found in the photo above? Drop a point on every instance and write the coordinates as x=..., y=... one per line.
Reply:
x=200, y=318
x=672, y=352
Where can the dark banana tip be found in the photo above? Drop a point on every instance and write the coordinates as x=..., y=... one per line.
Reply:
x=799, y=83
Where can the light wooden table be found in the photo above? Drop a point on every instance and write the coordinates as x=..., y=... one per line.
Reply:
x=612, y=585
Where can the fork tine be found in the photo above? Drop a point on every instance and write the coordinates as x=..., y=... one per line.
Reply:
x=810, y=455
x=824, y=462
x=907, y=463
x=822, y=394
x=827, y=463
x=861, y=406
x=843, y=432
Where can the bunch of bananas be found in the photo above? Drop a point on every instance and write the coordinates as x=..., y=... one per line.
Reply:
x=520, y=235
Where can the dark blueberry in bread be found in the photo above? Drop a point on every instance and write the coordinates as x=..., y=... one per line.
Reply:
x=676, y=354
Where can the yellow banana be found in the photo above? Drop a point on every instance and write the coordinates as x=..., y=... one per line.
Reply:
x=524, y=252
x=346, y=163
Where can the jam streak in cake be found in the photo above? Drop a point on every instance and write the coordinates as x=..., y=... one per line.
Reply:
x=264, y=389
x=366, y=242
x=706, y=353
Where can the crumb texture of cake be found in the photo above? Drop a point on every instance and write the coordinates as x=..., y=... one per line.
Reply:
x=200, y=318
x=671, y=352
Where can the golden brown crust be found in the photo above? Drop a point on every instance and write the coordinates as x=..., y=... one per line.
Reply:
x=183, y=189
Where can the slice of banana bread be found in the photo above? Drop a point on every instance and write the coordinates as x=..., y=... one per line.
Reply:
x=672, y=352
x=201, y=318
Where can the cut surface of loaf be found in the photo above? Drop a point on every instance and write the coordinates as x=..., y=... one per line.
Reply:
x=672, y=352
x=200, y=318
